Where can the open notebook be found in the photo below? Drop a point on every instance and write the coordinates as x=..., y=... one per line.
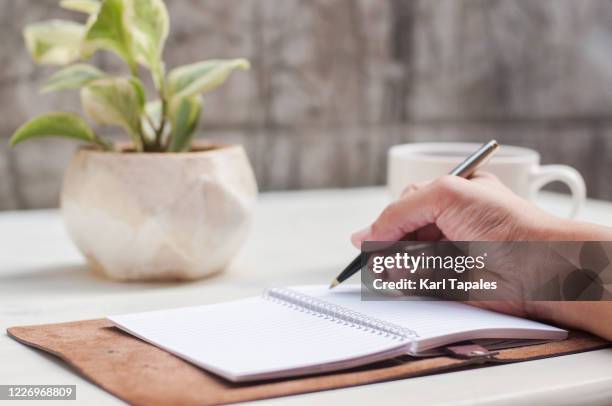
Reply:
x=310, y=329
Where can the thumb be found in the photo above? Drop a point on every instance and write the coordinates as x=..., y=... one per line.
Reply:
x=410, y=213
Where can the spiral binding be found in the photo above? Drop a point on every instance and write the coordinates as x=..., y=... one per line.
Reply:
x=338, y=314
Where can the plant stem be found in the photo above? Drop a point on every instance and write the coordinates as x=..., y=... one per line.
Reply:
x=149, y=121
x=140, y=141
x=162, y=124
x=163, y=117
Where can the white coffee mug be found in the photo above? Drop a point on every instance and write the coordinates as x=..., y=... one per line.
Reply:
x=518, y=168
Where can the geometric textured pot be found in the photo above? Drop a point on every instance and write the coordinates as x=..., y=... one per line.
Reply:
x=159, y=216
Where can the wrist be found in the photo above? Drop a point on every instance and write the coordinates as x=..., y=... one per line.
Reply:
x=551, y=228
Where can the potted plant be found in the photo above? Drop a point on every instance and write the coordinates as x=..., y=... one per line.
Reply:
x=158, y=207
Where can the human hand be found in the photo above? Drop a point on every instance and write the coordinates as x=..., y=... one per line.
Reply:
x=457, y=209
x=483, y=209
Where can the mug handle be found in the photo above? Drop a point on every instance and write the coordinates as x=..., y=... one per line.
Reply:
x=542, y=175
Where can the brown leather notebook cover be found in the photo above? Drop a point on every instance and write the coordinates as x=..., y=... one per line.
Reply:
x=142, y=374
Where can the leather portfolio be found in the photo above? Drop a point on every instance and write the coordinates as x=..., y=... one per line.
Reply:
x=142, y=374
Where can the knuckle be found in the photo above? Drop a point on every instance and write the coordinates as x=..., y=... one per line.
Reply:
x=447, y=184
x=388, y=212
x=413, y=187
x=486, y=175
x=449, y=188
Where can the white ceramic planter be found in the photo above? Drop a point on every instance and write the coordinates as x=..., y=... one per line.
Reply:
x=153, y=216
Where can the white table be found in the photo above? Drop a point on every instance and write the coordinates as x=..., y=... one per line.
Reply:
x=43, y=280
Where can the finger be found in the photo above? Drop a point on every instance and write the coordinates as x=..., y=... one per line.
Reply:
x=418, y=209
x=362, y=235
x=487, y=178
x=413, y=188
x=484, y=175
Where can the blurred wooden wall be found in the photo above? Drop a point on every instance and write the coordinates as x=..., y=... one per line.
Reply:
x=335, y=83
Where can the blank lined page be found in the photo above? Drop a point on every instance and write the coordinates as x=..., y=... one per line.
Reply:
x=437, y=322
x=257, y=338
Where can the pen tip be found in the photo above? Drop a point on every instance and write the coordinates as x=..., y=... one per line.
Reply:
x=334, y=284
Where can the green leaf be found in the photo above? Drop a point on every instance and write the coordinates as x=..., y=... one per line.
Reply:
x=189, y=80
x=108, y=30
x=116, y=101
x=84, y=6
x=68, y=125
x=149, y=24
x=184, y=116
x=54, y=42
x=73, y=77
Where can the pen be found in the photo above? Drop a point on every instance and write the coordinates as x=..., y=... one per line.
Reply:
x=465, y=170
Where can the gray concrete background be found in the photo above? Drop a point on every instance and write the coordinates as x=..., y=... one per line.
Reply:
x=335, y=83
